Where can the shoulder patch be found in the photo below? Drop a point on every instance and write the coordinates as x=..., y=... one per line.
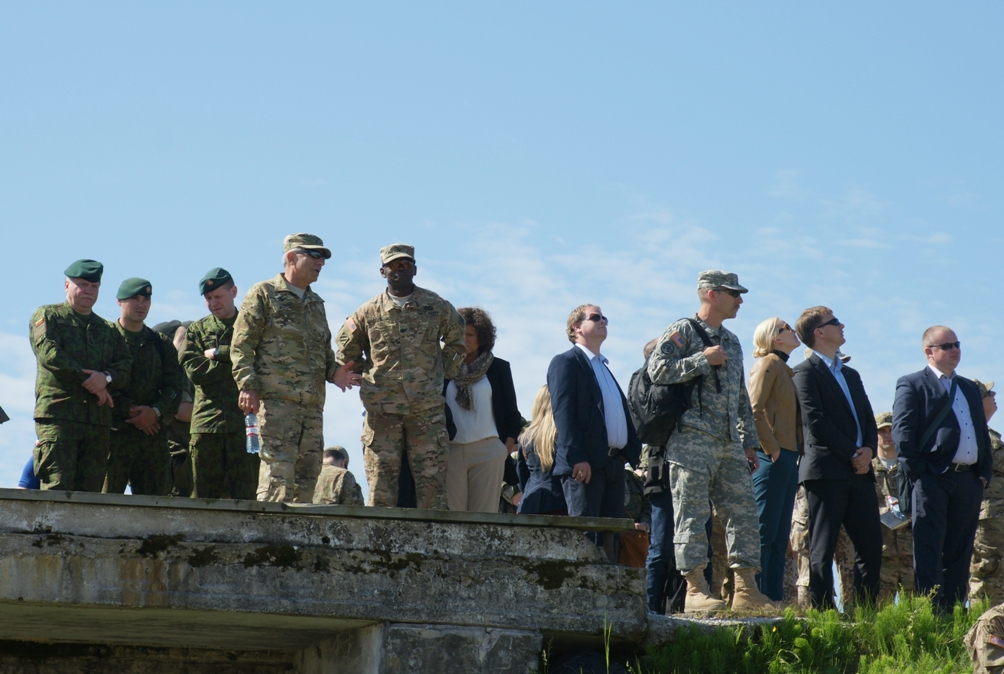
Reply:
x=676, y=339
x=350, y=324
x=994, y=640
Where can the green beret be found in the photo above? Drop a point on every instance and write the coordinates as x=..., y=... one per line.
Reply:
x=213, y=279
x=132, y=287
x=89, y=270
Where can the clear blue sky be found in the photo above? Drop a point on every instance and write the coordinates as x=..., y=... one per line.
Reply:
x=537, y=156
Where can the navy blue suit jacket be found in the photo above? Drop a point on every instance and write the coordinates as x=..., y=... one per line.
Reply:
x=919, y=398
x=577, y=404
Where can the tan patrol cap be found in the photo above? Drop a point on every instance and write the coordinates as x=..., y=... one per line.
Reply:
x=883, y=419
x=305, y=241
x=396, y=251
x=984, y=387
x=715, y=278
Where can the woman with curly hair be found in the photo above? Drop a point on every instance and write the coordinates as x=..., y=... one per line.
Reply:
x=481, y=404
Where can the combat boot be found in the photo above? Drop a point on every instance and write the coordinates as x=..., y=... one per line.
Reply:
x=747, y=597
x=699, y=599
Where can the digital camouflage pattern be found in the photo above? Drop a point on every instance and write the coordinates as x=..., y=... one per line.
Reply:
x=897, y=545
x=714, y=469
x=403, y=354
x=222, y=467
x=292, y=447
x=722, y=583
x=385, y=437
x=281, y=344
x=987, y=570
x=337, y=486
x=72, y=429
x=216, y=393
x=679, y=357
x=985, y=642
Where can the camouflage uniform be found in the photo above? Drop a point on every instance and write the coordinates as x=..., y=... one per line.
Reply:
x=986, y=570
x=157, y=380
x=337, y=486
x=721, y=575
x=897, y=545
x=178, y=438
x=73, y=430
x=985, y=642
x=403, y=364
x=797, y=583
x=705, y=454
x=282, y=349
x=221, y=465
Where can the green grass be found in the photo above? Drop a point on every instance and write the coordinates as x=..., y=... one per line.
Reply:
x=904, y=638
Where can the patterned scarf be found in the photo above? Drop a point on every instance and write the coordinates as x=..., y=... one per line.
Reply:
x=469, y=375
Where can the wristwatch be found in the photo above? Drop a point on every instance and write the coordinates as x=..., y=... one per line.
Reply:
x=157, y=411
x=108, y=378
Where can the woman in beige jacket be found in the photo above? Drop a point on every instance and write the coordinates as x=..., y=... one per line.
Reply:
x=779, y=426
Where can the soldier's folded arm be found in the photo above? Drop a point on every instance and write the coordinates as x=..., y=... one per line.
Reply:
x=202, y=370
x=50, y=355
x=666, y=366
x=454, y=346
x=121, y=366
x=173, y=382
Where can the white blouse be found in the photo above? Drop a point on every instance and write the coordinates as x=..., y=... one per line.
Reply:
x=478, y=423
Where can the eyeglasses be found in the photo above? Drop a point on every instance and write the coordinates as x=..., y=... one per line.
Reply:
x=317, y=255
x=947, y=346
x=832, y=321
x=730, y=291
x=783, y=328
x=596, y=318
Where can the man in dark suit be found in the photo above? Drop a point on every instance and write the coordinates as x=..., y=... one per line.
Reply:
x=595, y=433
x=836, y=471
x=941, y=431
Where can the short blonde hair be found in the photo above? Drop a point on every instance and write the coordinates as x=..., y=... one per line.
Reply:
x=574, y=318
x=763, y=336
x=542, y=433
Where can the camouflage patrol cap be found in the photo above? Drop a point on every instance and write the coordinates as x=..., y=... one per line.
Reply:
x=89, y=270
x=715, y=278
x=396, y=251
x=883, y=419
x=213, y=279
x=133, y=287
x=305, y=241
x=984, y=387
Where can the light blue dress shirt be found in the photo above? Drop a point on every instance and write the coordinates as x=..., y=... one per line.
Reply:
x=835, y=366
x=613, y=408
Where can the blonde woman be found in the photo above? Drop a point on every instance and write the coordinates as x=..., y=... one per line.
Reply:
x=779, y=427
x=542, y=493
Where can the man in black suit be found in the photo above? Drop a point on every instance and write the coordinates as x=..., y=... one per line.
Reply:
x=836, y=471
x=595, y=433
x=941, y=431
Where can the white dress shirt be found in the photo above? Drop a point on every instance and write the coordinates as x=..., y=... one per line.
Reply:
x=613, y=408
x=968, y=451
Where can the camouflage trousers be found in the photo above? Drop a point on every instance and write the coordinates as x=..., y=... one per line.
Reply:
x=799, y=557
x=140, y=460
x=71, y=455
x=292, y=445
x=385, y=437
x=222, y=467
x=897, y=562
x=721, y=574
x=702, y=468
x=181, y=461
x=986, y=570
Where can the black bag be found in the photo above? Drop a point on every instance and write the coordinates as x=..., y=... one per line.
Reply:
x=905, y=483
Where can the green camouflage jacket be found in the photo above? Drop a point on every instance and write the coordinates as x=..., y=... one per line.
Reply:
x=65, y=343
x=403, y=354
x=636, y=506
x=216, y=393
x=679, y=357
x=282, y=344
x=993, y=495
x=157, y=379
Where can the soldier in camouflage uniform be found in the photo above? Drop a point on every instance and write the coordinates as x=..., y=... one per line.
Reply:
x=985, y=642
x=221, y=466
x=336, y=485
x=987, y=568
x=897, y=544
x=282, y=357
x=82, y=359
x=404, y=341
x=714, y=444
x=177, y=427
x=138, y=454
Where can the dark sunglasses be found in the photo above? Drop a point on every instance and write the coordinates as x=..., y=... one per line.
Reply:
x=832, y=321
x=730, y=291
x=312, y=253
x=783, y=328
x=596, y=318
x=947, y=346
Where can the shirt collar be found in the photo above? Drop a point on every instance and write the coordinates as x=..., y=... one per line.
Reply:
x=590, y=355
x=833, y=363
x=938, y=374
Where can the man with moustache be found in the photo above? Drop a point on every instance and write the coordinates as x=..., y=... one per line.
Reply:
x=82, y=359
x=282, y=357
x=405, y=341
x=940, y=429
x=138, y=454
x=221, y=466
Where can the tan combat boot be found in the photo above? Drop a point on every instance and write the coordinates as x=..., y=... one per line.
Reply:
x=699, y=599
x=747, y=597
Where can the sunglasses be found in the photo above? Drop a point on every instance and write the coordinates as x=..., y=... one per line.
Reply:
x=947, y=346
x=783, y=328
x=730, y=291
x=312, y=253
x=596, y=318
x=832, y=321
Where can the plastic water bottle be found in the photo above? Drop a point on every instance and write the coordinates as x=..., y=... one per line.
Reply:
x=251, y=427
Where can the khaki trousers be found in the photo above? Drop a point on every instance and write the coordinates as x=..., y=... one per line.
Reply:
x=474, y=473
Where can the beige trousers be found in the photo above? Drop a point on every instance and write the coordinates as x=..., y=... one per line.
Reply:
x=474, y=473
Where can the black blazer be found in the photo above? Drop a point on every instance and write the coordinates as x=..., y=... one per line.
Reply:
x=508, y=421
x=828, y=423
x=542, y=491
x=919, y=398
x=577, y=404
